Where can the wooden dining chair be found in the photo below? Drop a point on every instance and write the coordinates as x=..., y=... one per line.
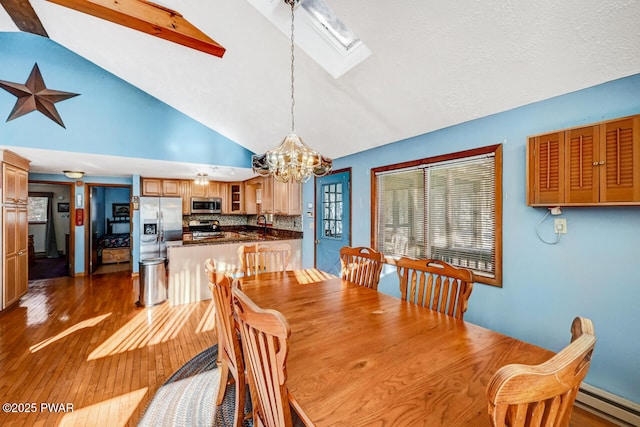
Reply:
x=361, y=266
x=229, y=352
x=264, y=257
x=265, y=340
x=435, y=285
x=544, y=394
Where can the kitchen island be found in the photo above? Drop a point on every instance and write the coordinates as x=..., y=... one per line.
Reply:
x=188, y=281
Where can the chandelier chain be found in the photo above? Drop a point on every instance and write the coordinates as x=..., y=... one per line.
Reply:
x=293, y=100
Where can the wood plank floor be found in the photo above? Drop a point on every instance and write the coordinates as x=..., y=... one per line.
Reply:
x=80, y=343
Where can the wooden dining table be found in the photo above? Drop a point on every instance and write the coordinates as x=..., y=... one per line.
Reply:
x=359, y=357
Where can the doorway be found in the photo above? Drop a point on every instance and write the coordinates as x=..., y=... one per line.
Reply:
x=49, y=230
x=333, y=219
x=108, y=239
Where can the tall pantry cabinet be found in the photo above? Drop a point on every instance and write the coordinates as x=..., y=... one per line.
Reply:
x=15, y=226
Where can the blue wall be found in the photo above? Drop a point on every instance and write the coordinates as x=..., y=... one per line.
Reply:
x=592, y=271
x=109, y=117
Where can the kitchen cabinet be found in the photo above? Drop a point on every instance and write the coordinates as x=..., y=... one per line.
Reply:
x=211, y=189
x=160, y=187
x=235, y=198
x=253, y=196
x=594, y=165
x=281, y=198
x=15, y=239
x=185, y=194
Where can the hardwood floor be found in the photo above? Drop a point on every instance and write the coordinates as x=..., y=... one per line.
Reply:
x=81, y=343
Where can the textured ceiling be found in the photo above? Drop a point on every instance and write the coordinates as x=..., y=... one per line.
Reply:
x=433, y=65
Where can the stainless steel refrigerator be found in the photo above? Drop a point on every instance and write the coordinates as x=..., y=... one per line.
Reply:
x=160, y=222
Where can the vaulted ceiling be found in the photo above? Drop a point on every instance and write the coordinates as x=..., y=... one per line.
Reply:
x=432, y=64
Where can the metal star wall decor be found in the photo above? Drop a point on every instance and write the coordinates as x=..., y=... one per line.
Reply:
x=33, y=95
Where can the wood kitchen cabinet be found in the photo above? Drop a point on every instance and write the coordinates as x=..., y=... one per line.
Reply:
x=281, y=198
x=211, y=189
x=235, y=198
x=160, y=187
x=15, y=240
x=594, y=165
x=185, y=194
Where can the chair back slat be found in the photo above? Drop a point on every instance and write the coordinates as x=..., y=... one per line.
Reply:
x=435, y=285
x=361, y=265
x=264, y=257
x=544, y=394
x=265, y=335
x=229, y=347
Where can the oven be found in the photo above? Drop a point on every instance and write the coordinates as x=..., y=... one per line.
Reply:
x=206, y=205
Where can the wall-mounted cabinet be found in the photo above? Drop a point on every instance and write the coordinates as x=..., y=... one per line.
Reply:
x=211, y=189
x=281, y=198
x=253, y=196
x=160, y=187
x=235, y=198
x=593, y=165
x=185, y=194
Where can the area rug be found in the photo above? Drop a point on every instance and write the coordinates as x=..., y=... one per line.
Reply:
x=188, y=397
x=48, y=268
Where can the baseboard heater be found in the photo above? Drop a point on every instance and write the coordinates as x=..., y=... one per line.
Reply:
x=609, y=406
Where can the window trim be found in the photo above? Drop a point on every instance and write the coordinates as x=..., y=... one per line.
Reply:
x=497, y=151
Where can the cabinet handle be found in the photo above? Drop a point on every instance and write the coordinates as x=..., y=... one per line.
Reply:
x=601, y=162
x=20, y=253
x=595, y=163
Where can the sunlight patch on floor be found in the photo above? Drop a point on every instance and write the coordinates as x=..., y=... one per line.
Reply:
x=112, y=412
x=150, y=326
x=208, y=321
x=80, y=325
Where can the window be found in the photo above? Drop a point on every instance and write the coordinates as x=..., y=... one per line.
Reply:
x=332, y=205
x=37, y=209
x=447, y=208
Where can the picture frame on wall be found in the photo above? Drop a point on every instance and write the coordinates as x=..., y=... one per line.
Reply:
x=63, y=207
x=120, y=210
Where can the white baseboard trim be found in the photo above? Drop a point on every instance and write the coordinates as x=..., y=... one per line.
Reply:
x=607, y=405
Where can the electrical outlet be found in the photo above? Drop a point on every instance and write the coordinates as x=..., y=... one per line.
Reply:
x=560, y=225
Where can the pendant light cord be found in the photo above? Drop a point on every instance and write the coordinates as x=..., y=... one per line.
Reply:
x=293, y=100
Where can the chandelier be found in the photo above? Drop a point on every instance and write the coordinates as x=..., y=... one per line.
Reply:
x=292, y=159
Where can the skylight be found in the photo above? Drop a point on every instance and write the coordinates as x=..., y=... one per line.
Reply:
x=320, y=10
x=318, y=32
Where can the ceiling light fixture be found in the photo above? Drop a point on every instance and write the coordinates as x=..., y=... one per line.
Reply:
x=73, y=174
x=292, y=159
x=201, y=179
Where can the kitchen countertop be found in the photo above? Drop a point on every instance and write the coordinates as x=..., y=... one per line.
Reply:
x=246, y=235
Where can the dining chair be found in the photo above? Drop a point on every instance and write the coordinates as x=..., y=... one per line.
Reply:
x=544, y=394
x=435, y=285
x=264, y=257
x=361, y=266
x=265, y=340
x=229, y=352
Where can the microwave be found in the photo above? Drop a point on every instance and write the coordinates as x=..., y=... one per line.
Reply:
x=206, y=205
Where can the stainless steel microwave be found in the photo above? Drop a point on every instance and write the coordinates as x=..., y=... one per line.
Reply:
x=206, y=205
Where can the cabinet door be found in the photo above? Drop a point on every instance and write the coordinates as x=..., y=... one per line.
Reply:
x=619, y=160
x=185, y=193
x=11, y=258
x=280, y=197
x=295, y=198
x=214, y=189
x=236, y=198
x=9, y=183
x=171, y=188
x=22, y=242
x=267, y=195
x=546, y=169
x=151, y=187
x=22, y=186
x=198, y=190
x=581, y=163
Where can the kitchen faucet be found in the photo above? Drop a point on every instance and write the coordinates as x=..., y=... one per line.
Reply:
x=264, y=223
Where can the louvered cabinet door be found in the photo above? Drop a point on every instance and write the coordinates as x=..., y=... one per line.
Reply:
x=619, y=164
x=582, y=165
x=546, y=169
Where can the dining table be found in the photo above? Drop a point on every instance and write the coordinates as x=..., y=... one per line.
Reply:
x=360, y=357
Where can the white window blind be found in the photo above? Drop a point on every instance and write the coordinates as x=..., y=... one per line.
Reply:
x=443, y=210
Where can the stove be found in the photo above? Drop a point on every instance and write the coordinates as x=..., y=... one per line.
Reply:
x=205, y=229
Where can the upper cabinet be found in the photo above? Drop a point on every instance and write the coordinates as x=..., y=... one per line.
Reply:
x=593, y=165
x=235, y=198
x=160, y=187
x=281, y=198
x=211, y=189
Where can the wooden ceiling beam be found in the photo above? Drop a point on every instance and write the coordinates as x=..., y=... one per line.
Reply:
x=24, y=16
x=149, y=18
